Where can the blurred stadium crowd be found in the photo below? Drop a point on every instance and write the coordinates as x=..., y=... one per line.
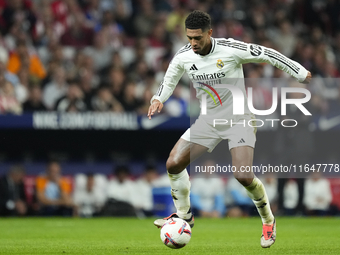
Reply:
x=110, y=55
x=121, y=194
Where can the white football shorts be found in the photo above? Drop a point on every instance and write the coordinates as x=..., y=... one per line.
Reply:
x=209, y=136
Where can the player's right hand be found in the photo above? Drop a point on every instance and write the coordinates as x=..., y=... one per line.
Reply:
x=155, y=106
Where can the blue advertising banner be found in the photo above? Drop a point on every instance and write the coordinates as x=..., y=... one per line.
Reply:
x=132, y=121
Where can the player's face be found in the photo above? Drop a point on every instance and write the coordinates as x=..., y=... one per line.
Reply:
x=199, y=40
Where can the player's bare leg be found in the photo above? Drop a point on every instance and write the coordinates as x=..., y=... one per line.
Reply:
x=243, y=157
x=180, y=157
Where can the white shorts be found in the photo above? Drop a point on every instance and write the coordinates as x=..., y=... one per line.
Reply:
x=204, y=134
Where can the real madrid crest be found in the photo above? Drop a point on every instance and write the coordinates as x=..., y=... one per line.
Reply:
x=220, y=64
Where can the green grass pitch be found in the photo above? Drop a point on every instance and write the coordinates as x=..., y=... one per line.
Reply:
x=133, y=236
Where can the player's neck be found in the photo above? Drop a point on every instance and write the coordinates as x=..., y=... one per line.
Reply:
x=207, y=49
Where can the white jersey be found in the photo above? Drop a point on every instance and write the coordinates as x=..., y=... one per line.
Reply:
x=223, y=65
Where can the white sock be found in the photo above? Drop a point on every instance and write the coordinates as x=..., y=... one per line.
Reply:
x=180, y=191
x=257, y=193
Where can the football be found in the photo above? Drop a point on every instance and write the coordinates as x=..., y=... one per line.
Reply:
x=176, y=233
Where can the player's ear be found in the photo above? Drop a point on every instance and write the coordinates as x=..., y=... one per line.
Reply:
x=210, y=32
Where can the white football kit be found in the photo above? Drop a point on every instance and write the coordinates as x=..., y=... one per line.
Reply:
x=222, y=65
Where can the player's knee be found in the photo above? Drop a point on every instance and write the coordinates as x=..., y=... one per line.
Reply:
x=244, y=178
x=173, y=166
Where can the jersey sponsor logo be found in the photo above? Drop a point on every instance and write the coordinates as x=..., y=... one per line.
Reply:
x=220, y=64
x=255, y=50
x=193, y=67
x=212, y=89
x=207, y=76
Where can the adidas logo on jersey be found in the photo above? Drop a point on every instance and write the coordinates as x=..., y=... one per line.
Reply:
x=193, y=67
x=241, y=141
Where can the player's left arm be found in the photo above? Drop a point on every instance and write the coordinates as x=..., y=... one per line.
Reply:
x=253, y=53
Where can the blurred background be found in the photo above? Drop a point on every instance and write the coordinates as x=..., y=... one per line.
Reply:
x=76, y=78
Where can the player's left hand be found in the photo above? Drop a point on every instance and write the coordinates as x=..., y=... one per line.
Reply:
x=308, y=78
x=156, y=105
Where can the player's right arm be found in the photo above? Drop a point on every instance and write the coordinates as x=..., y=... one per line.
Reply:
x=167, y=86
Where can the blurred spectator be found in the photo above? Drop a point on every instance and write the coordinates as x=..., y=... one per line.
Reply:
x=54, y=192
x=78, y=60
x=120, y=194
x=237, y=200
x=145, y=19
x=89, y=198
x=207, y=194
x=60, y=55
x=34, y=101
x=21, y=88
x=3, y=67
x=129, y=100
x=72, y=100
x=105, y=101
x=47, y=28
x=176, y=106
x=318, y=195
x=60, y=12
x=143, y=192
x=123, y=12
x=22, y=58
x=18, y=83
x=92, y=11
x=8, y=101
x=116, y=62
x=78, y=35
x=12, y=193
x=116, y=81
x=121, y=188
x=177, y=17
x=88, y=82
x=290, y=197
x=18, y=12
x=159, y=36
x=285, y=39
x=139, y=70
x=101, y=50
x=114, y=30
x=56, y=88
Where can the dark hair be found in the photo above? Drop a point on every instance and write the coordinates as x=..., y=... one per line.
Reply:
x=122, y=169
x=90, y=175
x=198, y=20
x=51, y=162
x=150, y=168
x=16, y=169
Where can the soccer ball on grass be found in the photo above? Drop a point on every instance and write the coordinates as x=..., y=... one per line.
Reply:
x=175, y=233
